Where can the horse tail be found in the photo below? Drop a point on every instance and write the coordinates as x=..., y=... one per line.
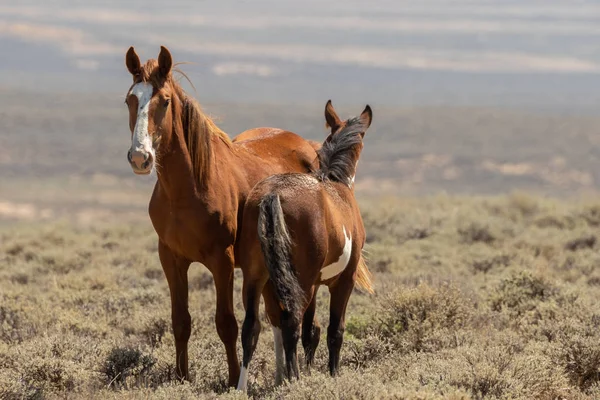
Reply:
x=276, y=245
x=363, y=276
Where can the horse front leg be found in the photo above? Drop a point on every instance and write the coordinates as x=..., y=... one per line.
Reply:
x=227, y=327
x=176, y=269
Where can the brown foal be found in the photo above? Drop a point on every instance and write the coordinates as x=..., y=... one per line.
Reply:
x=301, y=231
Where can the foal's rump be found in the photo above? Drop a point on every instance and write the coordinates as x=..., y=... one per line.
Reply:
x=276, y=245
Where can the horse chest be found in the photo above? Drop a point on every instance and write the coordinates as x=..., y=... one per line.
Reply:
x=181, y=233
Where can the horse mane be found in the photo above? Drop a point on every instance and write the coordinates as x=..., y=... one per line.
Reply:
x=337, y=156
x=198, y=128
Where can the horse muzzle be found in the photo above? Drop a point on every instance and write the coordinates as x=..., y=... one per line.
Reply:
x=141, y=161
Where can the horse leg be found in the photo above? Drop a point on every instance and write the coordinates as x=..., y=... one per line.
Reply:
x=290, y=331
x=251, y=326
x=227, y=327
x=340, y=293
x=176, y=269
x=274, y=313
x=311, y=331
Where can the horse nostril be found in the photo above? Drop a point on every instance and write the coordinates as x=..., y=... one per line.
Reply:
x=148, y=161
x=146, y=156
x=129, y=155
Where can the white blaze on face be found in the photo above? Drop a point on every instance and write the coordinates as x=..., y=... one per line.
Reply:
x=337, y=267
x=141, y=141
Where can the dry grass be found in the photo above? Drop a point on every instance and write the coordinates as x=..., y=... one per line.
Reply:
x=476, y=298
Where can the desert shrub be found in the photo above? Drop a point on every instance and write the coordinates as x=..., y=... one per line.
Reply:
x=358, y=325
x=591, y=214
x=503, y=368
x=486, y=264
x=384, y=226
x=14, y=328
x=358, y=386
x=584, y=242
x=13, y=387
x=521, y=292
x=20, y=278
x=554, y=220
x=423, y=318
x=504, y=334
x=381, y=258
x=51, y=375
x=576, y=348
x=155, y=330
x=202, y=280
x=122, y=363
x=526, y=205
x=476, y=232
x=363, y=352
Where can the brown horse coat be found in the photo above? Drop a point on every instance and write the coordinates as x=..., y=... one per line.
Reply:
x=310, y=232
x=203, y=181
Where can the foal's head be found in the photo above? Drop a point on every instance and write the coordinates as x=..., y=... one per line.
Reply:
x=150, y=101
x=341, y=150
x=336, y=124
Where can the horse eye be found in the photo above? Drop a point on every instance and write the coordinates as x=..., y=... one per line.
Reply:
x=167, y=102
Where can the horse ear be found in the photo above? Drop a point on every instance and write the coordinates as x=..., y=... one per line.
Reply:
x=165, y=61
x=331, y=117
x=366, y=117
x=132, y=60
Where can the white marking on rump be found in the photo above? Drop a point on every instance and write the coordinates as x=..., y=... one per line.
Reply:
x=243, y=382
x=279, y=360
x=141, y=141
x=338, y=266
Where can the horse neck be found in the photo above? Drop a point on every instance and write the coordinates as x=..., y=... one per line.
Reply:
x=175, y=176
x=175, y=173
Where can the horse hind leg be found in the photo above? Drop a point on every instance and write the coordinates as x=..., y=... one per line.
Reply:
x=340, y=294
x=311, y=332
x=286, y=332
x=290, y=330
x=250, y=329
x=280, y=371
x=274, y=314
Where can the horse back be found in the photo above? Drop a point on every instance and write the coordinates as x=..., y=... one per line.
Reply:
x=284, y=150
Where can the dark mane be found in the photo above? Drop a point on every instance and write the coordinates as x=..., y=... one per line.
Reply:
x=338, y=156
x=198, y=128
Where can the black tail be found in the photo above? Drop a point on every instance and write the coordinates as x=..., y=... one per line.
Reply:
x=276, y=244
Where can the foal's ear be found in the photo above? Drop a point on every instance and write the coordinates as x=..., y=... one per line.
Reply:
x=133, y=62
x=331, y=117
x=366, y=117
x=165, y=62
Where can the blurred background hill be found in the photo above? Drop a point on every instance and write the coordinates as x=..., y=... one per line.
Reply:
x=469, y=97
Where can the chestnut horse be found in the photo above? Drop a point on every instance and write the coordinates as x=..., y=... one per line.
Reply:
x=203, y=179
x=310, y=233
